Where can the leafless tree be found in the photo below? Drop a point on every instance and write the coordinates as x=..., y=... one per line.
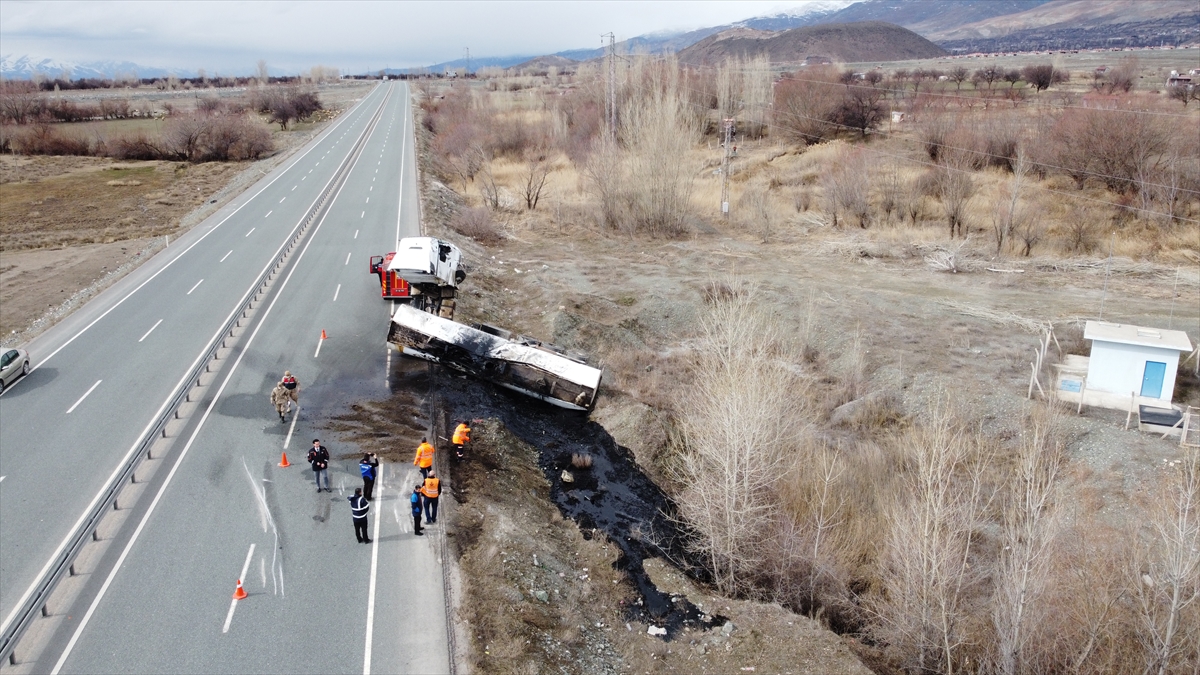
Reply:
x=927, y=553
x=739, y=427
x=756, y=94
x=847, y=187
x=987, y=75
x=959, y=74
x=264, y=75
x=805, y=106
x=1030, y=523
x=1184, y=93
x=956, y=187
x=533, y=182
x=1169, y=571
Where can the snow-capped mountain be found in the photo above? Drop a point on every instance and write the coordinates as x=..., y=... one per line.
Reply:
x=27, y=67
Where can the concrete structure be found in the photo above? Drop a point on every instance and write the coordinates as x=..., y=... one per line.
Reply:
x=1129, y=365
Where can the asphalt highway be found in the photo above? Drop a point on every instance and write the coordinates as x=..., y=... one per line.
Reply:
x=221, y=509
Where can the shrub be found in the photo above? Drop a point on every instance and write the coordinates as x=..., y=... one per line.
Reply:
x=477, y=223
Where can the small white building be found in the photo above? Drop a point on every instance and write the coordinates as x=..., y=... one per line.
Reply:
x=1128, y=365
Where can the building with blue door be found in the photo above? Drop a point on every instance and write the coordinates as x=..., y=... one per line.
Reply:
x=1128, y=365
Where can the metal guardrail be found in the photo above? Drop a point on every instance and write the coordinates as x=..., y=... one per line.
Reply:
x=86, y=531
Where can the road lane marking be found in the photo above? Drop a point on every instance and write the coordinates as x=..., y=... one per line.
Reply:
x=295, y=186
x=291, y=429
x=196, y=286
x=372, y=187
x=347, y=259
x=317, y=353
x=356, y=231
x=336, y=291
x=87, y=617
x=151, y=330
x=268, y=214
x=310, y=170
x=281, y=200
x=303, y=177
x=233, y=603
x=162, y=408
x=85, y=395
x=371, y=592
x=363, y=214
x=226, y=255
x=368, y=200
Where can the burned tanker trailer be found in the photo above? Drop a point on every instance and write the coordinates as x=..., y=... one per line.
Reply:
x=519, y=363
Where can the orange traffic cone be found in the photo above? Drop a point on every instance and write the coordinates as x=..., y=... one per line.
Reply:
x=240, y=593
x=323, y=334
x=284, y=463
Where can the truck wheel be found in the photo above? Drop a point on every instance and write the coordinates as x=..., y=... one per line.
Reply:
x=459, y=275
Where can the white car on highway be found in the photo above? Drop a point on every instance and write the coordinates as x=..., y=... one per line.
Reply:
x=14, y=364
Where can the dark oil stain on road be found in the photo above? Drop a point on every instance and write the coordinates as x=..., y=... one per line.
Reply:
x=613, y=496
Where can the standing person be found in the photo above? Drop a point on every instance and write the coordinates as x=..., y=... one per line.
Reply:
x=368, y=467
x=291, y=387
x=358, y=513
x=318, y=456
x=279, y=399
x=430, y=491
x=462, y=434
x=415, y=500
x=424, y=458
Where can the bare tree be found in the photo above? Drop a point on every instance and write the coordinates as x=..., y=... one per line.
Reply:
x=1169, y=571
x=987, y=75
x=537, y=169
x=739, y=424
x=1030, y=524
x=847, y=187
x=959, y=74
x=756, y=94
x=264, y=76
x=956, y=187
x=805, y=106
x=927, y=554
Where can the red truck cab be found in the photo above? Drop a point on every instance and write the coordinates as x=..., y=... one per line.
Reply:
x=390, y=284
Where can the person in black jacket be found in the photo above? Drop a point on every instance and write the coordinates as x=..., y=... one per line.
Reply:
x=318, y=456
x=358, y=513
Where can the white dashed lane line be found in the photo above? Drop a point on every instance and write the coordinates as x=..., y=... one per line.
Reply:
x=356, y=231
x=85, y=395
x=363, y=215
x=151, y=330
x=347, y=259
x=335, y=293
x=226, y=255
x=196, y=286
x=281, y=200
x=251, y=230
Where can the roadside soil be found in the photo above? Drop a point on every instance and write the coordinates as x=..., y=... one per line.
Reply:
x=633, y=304
x=71, y=226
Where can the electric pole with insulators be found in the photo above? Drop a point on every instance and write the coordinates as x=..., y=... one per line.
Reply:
x=725, y=168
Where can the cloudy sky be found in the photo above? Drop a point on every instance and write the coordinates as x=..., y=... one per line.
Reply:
x=353, y=36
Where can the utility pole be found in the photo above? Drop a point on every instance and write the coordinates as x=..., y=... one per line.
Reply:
x=725, y=168
x=611, y=100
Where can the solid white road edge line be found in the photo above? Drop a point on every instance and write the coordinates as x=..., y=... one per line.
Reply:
x=151, y=330
x=233, y=603
x=133, y=448
x=85, y=395
x=371, y=591
x=186, y=448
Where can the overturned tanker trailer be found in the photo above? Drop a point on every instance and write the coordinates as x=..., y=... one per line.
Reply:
x=515, y=362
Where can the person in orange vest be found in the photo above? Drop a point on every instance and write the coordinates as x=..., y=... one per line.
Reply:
x=462, y=434
x=424, y=458
x=430, y=491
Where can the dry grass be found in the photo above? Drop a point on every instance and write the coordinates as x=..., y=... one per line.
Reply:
x=105, y=202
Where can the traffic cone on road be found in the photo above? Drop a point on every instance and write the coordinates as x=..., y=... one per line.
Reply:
x=323, y=337
x=240, y=593
x=284, y=463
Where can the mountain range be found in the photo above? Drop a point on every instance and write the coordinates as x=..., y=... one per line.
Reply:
x=956, y=25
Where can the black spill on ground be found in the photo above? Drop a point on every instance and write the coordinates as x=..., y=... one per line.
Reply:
x=611, y=496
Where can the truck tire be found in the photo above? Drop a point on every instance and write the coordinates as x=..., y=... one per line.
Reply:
x=459, y=275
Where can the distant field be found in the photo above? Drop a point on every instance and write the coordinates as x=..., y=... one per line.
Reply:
x=1155, y=64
